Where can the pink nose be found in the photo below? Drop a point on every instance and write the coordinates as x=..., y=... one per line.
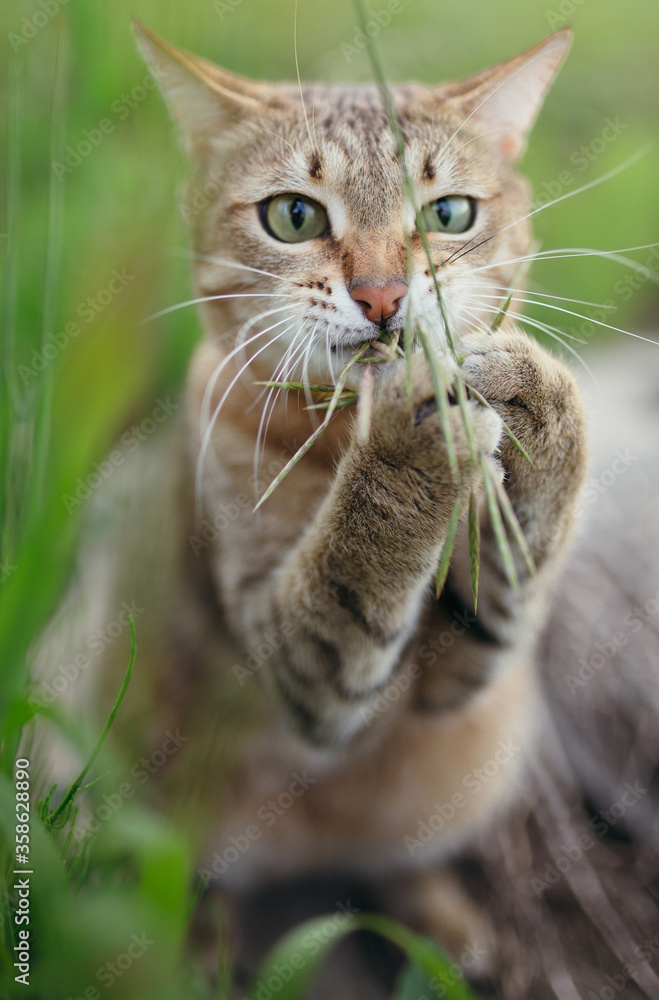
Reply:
x=379, y=303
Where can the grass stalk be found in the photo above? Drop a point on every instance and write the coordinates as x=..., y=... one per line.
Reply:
x=57, y=818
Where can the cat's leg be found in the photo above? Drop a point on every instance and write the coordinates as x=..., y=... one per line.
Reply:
x=537, y=397
x=345, y=599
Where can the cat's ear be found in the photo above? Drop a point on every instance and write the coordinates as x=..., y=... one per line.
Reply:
x=200, y=95
x=506, y=99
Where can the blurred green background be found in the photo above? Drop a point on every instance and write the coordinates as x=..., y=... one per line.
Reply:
x=65, y=234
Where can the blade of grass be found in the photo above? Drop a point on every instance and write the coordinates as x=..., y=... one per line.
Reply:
x=497, y=524
x=53, y=261
x=305, y=964
x=447, y=548
x=506, y=429
x=474, y=547
x=62, y=812
x=511, y=520
x=441, y=387
x=501, y=315
x=365, y=406
x=311, y=440
x=10, y=396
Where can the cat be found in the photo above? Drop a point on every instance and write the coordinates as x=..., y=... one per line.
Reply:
x=306, y=239
x=337, y=717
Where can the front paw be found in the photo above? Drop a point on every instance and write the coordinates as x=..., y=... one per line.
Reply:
x=534, y=393
x=408, y=432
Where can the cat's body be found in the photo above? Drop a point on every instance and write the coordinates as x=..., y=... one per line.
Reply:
x=337, y=716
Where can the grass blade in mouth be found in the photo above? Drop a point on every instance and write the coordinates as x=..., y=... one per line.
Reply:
x=320, y=430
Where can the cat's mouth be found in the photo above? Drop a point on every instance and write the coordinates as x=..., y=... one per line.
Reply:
x=380, y=352
x=377, y=339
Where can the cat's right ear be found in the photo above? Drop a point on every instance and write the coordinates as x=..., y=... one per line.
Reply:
x=201, y=96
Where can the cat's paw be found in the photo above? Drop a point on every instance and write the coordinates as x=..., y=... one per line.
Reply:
x=533, y=392
x=407, y=431
x=538, y=398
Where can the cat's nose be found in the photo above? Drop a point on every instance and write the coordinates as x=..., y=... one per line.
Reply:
x=379, y=303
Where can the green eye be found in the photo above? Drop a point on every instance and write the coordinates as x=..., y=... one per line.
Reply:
x=293, y=218
x=453, y=214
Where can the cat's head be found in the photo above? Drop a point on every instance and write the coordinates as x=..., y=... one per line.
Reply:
x=299, y=209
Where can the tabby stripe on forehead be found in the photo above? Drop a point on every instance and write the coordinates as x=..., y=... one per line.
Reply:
x=315, y=168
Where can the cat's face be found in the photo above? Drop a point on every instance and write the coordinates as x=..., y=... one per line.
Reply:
x=308, y=223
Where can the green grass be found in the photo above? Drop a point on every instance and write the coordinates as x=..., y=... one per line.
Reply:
x=117, y=210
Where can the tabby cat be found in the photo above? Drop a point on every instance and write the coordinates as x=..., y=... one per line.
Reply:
x=311, y=666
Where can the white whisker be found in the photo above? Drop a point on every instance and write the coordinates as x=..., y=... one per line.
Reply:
x=210, y=386
x=208, y=430
x=546, y=305
x=204, y=416
x=299, y=82
x=211, y=259
x=507, y=289
x=212, y=298
x=570, y=252
x=550, y=331
x=541, y=208
x=282, y=373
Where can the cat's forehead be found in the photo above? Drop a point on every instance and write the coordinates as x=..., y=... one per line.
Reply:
x=356, y=118
x=340, y=139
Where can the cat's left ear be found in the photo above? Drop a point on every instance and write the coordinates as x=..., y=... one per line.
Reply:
x=506, y=99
